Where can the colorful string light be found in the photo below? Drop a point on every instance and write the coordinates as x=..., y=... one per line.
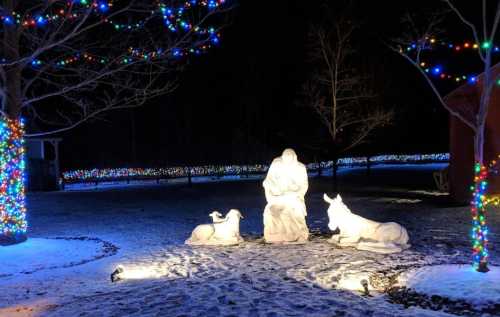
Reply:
x=169, y=172
x=42, y=20
x=13, y=223
x=229, y=170
x=478, y=211
x=492, y=201
x=430, y=43
x=479, y=197
x=437, y=71
x=196, y=39
x=175, y=19
x=493, y=169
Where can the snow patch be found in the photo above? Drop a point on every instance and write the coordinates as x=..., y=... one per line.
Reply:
x=39, y=254
x=457, y=282
x=397, y=200
x=429, y=192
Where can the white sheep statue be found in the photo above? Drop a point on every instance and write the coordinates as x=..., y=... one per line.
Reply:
x=224, y=232
x=362, y=233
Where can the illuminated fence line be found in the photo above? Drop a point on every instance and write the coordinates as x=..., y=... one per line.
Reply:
x=91, y=175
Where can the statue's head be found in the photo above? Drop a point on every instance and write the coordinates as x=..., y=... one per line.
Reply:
x=215, y=214
x=289, y=156
x=234, y=214
x=336, y=211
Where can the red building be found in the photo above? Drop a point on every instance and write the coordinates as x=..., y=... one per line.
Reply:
x=465, y=101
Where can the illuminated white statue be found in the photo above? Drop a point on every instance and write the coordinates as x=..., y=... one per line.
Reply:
x=224, y=231
x=364, y=234
x=216, y=216
x=285, y=187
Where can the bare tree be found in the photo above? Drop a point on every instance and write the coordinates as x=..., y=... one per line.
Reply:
x=418, y=39
x=65, y=62
x=341, y=96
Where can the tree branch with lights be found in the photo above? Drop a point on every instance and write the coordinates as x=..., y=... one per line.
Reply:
x=420, y=40
x=64, y=62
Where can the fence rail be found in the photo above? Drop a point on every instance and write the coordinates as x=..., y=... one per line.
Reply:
x=128, y=174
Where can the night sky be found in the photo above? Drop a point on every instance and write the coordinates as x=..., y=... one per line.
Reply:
x=237, y=104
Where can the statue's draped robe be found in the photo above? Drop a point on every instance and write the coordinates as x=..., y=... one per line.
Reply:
x=284, y=216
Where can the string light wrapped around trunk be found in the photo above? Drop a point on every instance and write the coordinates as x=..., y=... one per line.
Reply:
x=478, y=209
x=13, y=223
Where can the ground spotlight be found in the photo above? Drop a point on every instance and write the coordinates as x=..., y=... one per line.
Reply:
x=115, y=276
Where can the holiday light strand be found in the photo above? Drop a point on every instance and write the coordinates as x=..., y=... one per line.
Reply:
x=478, y=211
x=226, y=170
x=480, y=199
x=439, y=71
x=492, y=201
x=431, y=43
x=493, y=170
x=41, y=20
x=133, y=55
x=13, y=223
x=173, y=18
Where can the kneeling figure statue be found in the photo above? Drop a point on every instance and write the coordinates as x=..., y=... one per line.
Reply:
x=285, y=187
x=362, y=233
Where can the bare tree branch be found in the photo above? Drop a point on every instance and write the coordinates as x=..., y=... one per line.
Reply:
x=85, y=63
x=469, y=24
x=434, y=89
x=484, y=83
x=337, y=93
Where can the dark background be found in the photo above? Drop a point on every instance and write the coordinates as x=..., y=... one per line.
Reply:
x=237, y=104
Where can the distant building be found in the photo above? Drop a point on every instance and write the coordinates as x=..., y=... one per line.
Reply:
x=465, y=100
x=42, y=162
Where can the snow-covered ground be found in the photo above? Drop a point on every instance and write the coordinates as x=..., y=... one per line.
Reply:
x=143, y=228
x=457, y=282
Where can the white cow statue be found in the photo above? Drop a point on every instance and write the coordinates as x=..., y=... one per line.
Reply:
x=223, y=231
x=362, y=233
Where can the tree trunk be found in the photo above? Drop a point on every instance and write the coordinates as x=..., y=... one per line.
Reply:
x=478, y=209
x=12, y=198
x=11, y=104
x=480, y=241
x=12, y=101
x=335, y=167
x=133, y=138
x=13, y=223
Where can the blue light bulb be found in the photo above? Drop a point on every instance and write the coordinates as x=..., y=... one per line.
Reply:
x=436, y=70
x=8, y=20
x=103, y=6
x=40, y=20
x=177, y=52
